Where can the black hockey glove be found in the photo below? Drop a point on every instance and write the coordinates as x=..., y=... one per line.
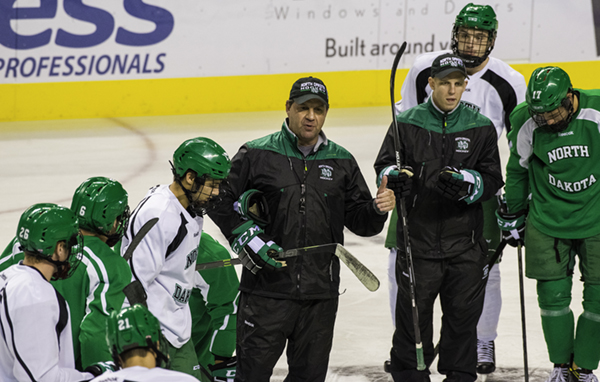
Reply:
x=398, y=181
x=254, y=248
x=512, y=225
x=100, y=368
x=224, y=371
x=457, y=185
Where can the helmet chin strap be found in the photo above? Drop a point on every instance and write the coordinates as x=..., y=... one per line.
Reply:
x=62, y=269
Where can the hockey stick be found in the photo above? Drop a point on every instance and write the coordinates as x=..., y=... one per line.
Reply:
x=362, y=273
x=134, y=291
x=138, y=237
x=402, y=210
x=282, y=255
x=523, y=325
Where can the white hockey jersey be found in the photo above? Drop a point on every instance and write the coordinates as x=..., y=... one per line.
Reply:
x=34, y=319
x=139, y=373
x=165, y=260
x=494, y=91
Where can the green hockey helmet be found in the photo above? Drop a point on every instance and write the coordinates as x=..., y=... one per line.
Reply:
x=42, y=226
x=203, y=156
x=98, y=202
x=132, y=328
x=547, y=91
x=209, y=161
x=481, y=17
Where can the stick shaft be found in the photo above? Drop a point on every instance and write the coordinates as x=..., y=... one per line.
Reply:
x=523, y=324
x=402, y=210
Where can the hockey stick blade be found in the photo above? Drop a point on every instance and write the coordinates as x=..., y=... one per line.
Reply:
x=138, y=237
x=362, y=273
x=322, y=248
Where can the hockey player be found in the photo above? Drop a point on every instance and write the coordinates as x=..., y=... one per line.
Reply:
x=494, y=89
x=213, y=304
x=452, y=152
x=96, y=289
x=36, y=343
x=314, y=188
x=163, y=263
x=137, y=345
x=553, y=157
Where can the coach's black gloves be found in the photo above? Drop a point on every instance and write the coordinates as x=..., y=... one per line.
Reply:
x=512, y=225
x=457, y=185
x=398, y=181
x=254, y=248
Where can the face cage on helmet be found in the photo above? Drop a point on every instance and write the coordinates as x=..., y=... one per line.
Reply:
x=472, y=61
x=558, y=127
x=203, y=207
x=65, y=269
x=122, y=224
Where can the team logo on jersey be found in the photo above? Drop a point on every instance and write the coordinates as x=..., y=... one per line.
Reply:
x=571, y=151
x=572, y=186
x=181, y=294
x=191, y=258
x=462, y=144
x=326, y=172
x=471, y=106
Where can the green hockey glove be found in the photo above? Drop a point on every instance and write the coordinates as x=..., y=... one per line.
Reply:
x=252, y=205
x=100, y=368
x=512, y=225
x=457, y=185
x=254, y=248
x=224, y=371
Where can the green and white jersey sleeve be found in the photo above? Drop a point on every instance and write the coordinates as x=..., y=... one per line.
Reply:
x=11, y=254
x=560, y=170
x=93, y=292
x=214, y=304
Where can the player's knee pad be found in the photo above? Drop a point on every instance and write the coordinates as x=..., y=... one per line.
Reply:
x=554, y=294
x=591, y=298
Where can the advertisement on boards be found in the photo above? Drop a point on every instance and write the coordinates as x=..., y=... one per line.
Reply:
x=94, y=40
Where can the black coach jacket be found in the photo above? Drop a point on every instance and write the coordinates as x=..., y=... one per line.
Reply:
x=310, y=201
x=429, y=141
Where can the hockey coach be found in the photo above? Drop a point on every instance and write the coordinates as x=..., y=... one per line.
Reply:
x=311, y=189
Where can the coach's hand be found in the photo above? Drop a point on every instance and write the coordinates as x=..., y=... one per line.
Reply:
x=254, y=248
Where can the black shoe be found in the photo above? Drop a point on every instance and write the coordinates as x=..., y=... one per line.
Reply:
x=486, y=357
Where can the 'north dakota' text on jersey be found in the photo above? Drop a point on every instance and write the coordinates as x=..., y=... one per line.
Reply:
x=572, y=186
x=572, y=151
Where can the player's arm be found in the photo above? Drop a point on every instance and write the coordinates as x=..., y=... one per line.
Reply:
x=11, y=254
x=107, y=276
x=517, y=168
x=220, y=296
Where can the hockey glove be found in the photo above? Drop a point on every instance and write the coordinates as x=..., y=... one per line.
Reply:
x=252, y=205
x=398, y=181
x=100, y=368
x=224, y=371
x=254, y=248
x=456, y=184
x=512, y=225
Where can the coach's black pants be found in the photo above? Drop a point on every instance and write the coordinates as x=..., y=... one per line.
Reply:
x=456, y=281
x=264, y=325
